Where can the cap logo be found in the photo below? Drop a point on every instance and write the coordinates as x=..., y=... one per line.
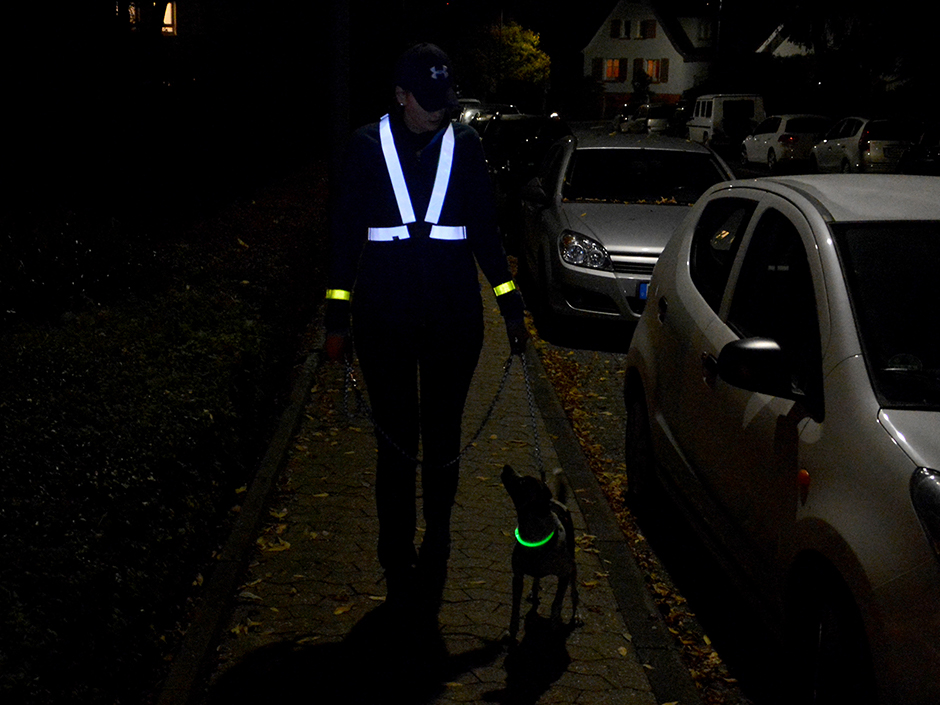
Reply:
x=437, y=73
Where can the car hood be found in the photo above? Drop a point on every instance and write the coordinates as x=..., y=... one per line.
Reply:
x=637, y=228
x=916, y=432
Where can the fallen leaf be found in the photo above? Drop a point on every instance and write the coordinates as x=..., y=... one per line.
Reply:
x=342, y=609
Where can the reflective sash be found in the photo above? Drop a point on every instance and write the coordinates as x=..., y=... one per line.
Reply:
x=403, y=198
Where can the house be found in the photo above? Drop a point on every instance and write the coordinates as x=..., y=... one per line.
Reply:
x=641, y=53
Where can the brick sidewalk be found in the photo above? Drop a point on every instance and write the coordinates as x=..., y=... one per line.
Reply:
x=308, y=616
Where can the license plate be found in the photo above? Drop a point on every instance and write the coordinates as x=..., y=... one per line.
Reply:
x=644, y=290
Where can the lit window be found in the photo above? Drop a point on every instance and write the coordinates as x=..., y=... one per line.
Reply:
x=169, y=19
x=613, y=69
x=652, y=69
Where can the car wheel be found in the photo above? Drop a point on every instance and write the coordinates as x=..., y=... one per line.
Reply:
x=846, y=167
x=771, y=161
x=831, y=661
x=813, y=165
x=638, y=441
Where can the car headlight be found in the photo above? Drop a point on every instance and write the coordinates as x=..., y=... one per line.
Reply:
x=925, y=496
x=582, y=251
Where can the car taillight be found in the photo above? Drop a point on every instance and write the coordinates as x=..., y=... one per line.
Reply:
x=787, y=139
x=864, y=142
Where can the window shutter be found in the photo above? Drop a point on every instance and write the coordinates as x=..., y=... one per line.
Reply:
x=664, y=71
x=624, y=63
x=615, y=30
x=597, y=69
x=638, y=69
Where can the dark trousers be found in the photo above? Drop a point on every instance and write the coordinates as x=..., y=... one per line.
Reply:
x=417, y=382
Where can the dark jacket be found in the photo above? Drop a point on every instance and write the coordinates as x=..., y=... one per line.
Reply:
x=418, y=280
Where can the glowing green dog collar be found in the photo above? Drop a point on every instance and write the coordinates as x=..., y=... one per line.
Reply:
x=533, y=544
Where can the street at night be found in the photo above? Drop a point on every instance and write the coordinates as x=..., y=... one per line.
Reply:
x=188, y=492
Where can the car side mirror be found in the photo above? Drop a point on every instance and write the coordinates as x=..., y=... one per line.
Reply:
x=757, y=365
x=535, y=192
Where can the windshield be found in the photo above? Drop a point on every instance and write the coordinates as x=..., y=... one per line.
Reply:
x=891, y=271
x=640, y=176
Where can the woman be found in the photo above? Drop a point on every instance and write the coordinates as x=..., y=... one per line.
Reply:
x=415, y=216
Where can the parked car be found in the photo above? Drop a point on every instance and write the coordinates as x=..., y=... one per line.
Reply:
x=783, y=386
x=784, y=139
x=468, y=108
x=863, y=145
x=625, y=113
x=514, y=146
x=599, y=213
x=649, y=117
x=923, y=157
x=722, y=120
x=478, y=116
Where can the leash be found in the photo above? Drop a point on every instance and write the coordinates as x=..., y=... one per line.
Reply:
x=351, y=385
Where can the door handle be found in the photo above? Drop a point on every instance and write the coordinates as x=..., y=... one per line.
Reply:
x=663, y=306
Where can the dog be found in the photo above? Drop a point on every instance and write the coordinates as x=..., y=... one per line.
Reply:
x=544, y=545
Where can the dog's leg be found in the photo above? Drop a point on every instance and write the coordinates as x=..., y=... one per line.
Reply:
x=563, y=581
x=534, y=596
x=517, y=579
x=575, y=618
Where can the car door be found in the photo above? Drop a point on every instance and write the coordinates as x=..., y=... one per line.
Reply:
x=743, y=445
x=761, y=140
x=828, y=151
x=688, y=307
x=845, y=147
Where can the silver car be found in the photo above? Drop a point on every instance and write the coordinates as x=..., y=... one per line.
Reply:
x=598, y=215
x=783, y=385
x=863, y=145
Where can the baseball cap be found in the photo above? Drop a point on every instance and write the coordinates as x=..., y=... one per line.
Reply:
x=426, y=72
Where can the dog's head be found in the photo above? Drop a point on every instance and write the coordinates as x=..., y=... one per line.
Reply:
x=528, y=494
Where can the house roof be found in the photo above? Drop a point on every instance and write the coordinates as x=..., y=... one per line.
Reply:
x=668, y=16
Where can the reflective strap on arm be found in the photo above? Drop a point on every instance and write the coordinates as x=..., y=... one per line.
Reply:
x=338, y=294
x=504, y=288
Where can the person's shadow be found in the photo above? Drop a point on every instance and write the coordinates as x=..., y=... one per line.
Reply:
x=388, y=657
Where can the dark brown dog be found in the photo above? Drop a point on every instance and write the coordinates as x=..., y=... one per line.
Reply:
x=544, y=545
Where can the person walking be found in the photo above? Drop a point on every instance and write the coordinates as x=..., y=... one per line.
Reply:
x=415, y=216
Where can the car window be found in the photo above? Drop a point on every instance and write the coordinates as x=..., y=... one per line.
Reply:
x=551, y=164
x=640, y=175
x=774, y=298
x=768, y=126
x=836, y=130
x=715, y=244
x=890, y=270
x=806, y=125
x=850, y=128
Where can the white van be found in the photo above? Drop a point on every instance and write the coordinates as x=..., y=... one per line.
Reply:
x=724, y=119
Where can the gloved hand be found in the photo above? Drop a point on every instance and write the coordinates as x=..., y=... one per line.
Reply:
x=337, y=346
x=518, y=335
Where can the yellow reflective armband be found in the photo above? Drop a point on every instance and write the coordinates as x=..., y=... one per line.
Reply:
x=338, y=294
x=504, y=288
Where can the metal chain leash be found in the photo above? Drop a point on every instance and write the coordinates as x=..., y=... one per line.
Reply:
x=351, y=385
